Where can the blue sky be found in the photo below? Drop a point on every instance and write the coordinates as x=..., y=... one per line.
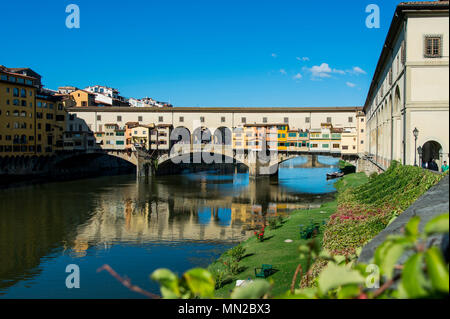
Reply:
x=202, y=53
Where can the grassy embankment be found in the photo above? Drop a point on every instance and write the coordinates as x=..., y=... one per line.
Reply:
x=363, y=211
x=284, y=257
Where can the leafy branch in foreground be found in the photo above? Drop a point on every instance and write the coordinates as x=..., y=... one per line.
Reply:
x=425, y=274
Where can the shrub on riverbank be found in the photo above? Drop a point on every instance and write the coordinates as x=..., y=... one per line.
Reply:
x=365, y=210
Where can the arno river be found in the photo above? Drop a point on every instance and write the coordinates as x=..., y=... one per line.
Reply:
x=176, y=222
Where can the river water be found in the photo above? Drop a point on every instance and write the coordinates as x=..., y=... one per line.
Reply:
x=176, y=222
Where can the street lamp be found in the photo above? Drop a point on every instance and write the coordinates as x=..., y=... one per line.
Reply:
x=416, y=133
x=420, y=151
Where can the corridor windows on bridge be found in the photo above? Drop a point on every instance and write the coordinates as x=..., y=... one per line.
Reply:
x=202, y=119
x=286, y=120
x=307, y=119
x=181, y=119
x=350, y=119
x=328, y=119
x=99, y=117
x=264, y=119
x=139, y=118
x=433, y=46
x=119, y=118
x=160, y=119
x=222, y=119
x=243, y=120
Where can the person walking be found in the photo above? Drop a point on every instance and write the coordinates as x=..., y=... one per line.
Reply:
x=433, y=166
x=444, y=167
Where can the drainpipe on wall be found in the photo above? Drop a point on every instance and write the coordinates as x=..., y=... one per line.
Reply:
x=404, y=91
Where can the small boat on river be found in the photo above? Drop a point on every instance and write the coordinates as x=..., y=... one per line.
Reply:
x=334, y=175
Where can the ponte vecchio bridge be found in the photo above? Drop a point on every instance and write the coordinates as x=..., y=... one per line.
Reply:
x=260, y=162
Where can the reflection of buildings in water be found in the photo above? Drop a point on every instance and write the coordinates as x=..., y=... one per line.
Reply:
x=253, y=216
x=150, y=223
x=152, y=213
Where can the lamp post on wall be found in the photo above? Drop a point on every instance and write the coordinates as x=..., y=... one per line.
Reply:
x=416, y=134
x=420, y=151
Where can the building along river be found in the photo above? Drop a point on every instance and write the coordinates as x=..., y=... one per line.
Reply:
x=136, y=226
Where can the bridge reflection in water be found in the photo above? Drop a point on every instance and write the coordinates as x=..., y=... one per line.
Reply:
x=74, y=221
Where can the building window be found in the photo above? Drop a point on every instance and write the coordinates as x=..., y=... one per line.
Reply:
x=202, y=119
x=119, y=118
x=160, y=119
x=433, y=46
x=222, y=119
x=328, y=119
x=16, y=92
x=264, y=119
x=243, y=120
x=344, y=147
x=307, y=119
x=350, y=119
x=181, y=119
x=362, y=130
x=286, y=120
x=99, y=117
x=139, y=118
x=390, y=76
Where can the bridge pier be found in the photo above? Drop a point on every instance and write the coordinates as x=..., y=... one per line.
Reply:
x=258, y=169
x=144, y=169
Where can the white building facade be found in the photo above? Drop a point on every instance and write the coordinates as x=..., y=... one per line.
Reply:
x=410, y=88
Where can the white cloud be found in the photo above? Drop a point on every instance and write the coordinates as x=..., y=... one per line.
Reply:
x=274, y=55
x=350, y=84
x=283, y=71
x=298, y=76
x=305, y=58
x=321, y=71
x=324, y=71
x=358, y=70
x=338, y=71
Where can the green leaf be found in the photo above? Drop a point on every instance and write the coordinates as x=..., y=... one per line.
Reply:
x=348, y=292
x=168, y=281
x=305, y=293
x=334, y=276
x=413, y=277
x=392, y=253
x=254, y=290
x=438, y=225
x=412, y=227
x=437, y=269
x=200, y=282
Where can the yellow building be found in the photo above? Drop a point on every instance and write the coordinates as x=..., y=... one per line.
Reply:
x=50, y=123
x=282, y=137
x=83, y=98
x=17, y=111
x=140, y=136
